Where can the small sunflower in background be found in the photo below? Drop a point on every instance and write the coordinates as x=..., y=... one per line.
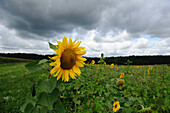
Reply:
x=120, y=82
x=131, y=75
x=68, y=60
x=121, y=75
x=116, y=68
x=92, y=62
x=116, y=106
x=112, y=65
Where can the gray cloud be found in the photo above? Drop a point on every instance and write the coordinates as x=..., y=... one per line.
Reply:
x=47, y=18
x=100, y=23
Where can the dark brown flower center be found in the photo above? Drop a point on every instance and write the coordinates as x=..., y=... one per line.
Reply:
x=116, y=106
x=68, y=59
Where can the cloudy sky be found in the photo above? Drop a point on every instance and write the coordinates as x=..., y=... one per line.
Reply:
x=112, y=27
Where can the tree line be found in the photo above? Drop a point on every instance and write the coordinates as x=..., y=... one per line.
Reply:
x=120, y=60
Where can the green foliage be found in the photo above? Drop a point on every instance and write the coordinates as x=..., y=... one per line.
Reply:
x=95, y=90
x=52, y=46
x=47, y=99
x=47, y=85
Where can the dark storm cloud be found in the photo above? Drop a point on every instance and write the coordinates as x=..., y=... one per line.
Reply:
x=50, y=17
x=47, y=17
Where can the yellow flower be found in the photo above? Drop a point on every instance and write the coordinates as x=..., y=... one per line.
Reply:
x=137, y=95
x=120, y=83
x=104, y=63
x=116, y=106
x=92, y=62
x=131, y=75
x=68, y=60
x=116, y=68
x=121, y=75
x=112, y=65
x=148, y=72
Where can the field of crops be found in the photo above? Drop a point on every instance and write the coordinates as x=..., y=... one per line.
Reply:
x=94, y=91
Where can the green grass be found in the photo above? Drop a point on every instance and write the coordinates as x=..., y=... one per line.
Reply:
x=15, y=85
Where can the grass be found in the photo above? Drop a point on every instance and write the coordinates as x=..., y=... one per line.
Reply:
x=15, y=85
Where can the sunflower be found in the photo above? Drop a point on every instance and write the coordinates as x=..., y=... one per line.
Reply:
x=116, y=68
x=112, y=65
x=120, y=82
x=92, y=62
x=121, y=75
x=131, y=75
x=116, y=106
x=68, y=60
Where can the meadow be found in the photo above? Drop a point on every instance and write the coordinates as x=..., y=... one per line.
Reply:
x=145, y=89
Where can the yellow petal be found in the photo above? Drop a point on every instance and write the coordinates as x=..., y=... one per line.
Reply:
x=53, y=70
x=81, y=58
x=65, y=43
x=70, y=43
x=77, y=44
x=55, y=57
x=74, y=41
x=60, y=45
x=52, y=64
x=58, y=71
x=67, y=75
x=72, y=74
x=80, y=52
x=76, y=70
x=79, y=64
x=61, y=72
x=81, y=47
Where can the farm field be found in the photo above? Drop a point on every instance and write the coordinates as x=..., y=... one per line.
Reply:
x=95, y=90
x=4, y=60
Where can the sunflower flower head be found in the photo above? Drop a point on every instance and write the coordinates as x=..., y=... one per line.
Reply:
x=120, y=82
x=68, y=60
x=121, y=75
x=116, y=68
x=92, y=62
x=112, y=65
x=116, y=106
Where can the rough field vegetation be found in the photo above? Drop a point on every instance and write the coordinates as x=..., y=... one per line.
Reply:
x=95, y=90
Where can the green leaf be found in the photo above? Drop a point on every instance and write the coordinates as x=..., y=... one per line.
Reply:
x=32, y=101
x=52, y=46
x=47, y=85
x=33, y=65
x=47, y=99
x=37, y=64
x=42, y=61
x=29, y=108
x=39, y=109
x=59, y=108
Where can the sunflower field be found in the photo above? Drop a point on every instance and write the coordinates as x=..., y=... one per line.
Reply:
x=65, y=84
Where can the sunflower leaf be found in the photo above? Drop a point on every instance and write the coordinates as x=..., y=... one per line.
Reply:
x=47, y=99
x=33, y=65
x=59, y=108
x=42, y=61
x=25, y=105
x=52, y=46
x=47, y=85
